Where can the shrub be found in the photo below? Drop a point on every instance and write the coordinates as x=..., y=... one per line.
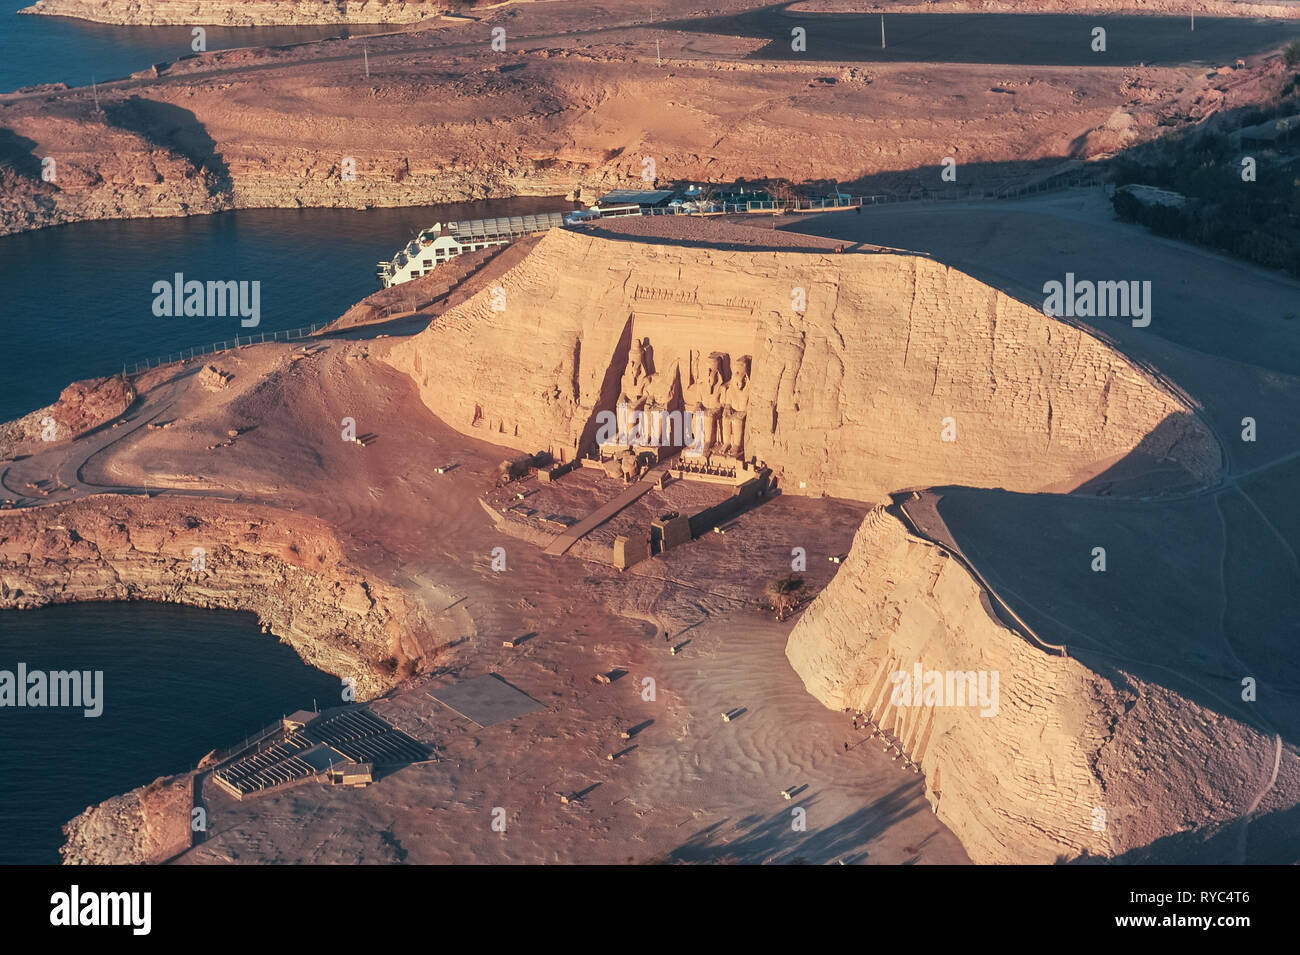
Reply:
x=1127, y=206
x=784, y=594
x=1291, y=53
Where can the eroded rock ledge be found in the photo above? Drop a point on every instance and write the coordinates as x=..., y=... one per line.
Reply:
x=236, y=13
x=288, y=569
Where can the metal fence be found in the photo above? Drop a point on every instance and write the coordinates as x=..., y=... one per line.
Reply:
x=292, y=334
x=271, y=731
x=732, y=208
x=965, y=193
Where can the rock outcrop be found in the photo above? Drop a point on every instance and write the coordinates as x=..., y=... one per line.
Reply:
x=145, y=826
x=81, y=406
x=870, y=372
x=237, y=13
x=99, y=171
x=1061, y=767
x=288, y=569
x=213, y=378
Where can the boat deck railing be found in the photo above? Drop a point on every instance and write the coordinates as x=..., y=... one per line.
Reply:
x=473, y=231
x=508, y=227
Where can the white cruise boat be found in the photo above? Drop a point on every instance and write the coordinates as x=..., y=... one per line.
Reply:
x=444, y=241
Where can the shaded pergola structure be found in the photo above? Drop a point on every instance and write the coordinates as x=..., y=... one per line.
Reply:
x=486, y=700
x=344, y=745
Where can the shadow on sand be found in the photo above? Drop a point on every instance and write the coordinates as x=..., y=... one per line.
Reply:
x=757, y=839
x=174, y=129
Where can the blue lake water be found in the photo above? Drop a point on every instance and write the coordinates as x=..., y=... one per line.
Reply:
x=76, y=301
x=178, y=682
x=1044, y=39
x=62, y=50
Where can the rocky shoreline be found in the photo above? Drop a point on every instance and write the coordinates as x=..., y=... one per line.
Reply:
x=269, y=13
x=173, y=187
x=146, y=826
x=234, y=13
x=288, y=569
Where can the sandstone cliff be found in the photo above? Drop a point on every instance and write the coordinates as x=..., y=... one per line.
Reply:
x=443, y=118
x=237, y=13
x=1064, y=767
x=852, y=396
x=105, y=171
x=288, y=569
x=100, y=171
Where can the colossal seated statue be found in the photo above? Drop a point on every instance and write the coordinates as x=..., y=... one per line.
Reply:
x=704, y=399
x=736, y=408
x=633, y=391
x=663, y=393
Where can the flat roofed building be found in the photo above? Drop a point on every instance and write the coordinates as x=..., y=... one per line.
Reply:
x=352, y=774
x=1269, y=133
x=646, y=199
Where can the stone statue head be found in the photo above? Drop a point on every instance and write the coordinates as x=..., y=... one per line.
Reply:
x=713, y=369
x=636, y=354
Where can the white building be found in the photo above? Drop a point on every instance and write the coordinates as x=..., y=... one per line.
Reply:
x=437, y=244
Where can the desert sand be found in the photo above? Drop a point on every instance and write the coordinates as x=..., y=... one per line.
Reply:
x=378, y=561
x=687, y=786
